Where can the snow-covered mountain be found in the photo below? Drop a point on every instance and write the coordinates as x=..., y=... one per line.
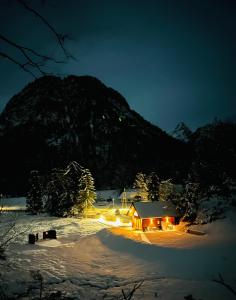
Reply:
x=182, y=132
x=53, y=120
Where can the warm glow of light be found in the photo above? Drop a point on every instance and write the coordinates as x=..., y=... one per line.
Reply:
x=151, y=221
x=167, y=219
x=117, y=222
x=135, y=214
x=101, y=219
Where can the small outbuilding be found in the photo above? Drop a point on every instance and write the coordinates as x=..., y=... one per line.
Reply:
x=153, y=215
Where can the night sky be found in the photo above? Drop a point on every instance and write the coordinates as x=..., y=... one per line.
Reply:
x=172, y=60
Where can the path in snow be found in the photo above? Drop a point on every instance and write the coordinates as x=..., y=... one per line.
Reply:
x=144, y=238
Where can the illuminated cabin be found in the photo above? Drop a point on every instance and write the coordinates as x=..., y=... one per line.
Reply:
x=152, y=215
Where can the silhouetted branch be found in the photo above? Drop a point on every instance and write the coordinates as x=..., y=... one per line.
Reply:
x=10, y=234
x=131, y=293
x=25, y=50
x=22, y=66
x=34, y=60
x=221, y=281
x=61, y=38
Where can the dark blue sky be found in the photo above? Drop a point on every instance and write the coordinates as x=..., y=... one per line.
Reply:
x=172, y=60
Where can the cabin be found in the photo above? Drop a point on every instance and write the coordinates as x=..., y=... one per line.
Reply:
x=157, y=215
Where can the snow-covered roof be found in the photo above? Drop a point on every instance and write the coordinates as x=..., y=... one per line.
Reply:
x=129, y=194
x=106, y=194
x=154, y=209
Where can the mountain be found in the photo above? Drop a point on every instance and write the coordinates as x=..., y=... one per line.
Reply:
x=53, y=121
x=214, y=152
x=182, y=132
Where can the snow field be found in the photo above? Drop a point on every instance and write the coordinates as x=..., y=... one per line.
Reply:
x=87, y=261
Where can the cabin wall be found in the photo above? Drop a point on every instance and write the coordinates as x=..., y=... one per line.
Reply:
x=137, y=223
x=168, y=223
x=169, y=220
x=150, y=223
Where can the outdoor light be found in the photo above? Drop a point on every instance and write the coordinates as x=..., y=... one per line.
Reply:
x=101, y=219
x=117, y=222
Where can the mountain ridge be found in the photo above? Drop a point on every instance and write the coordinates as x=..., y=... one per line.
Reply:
x=53, y=121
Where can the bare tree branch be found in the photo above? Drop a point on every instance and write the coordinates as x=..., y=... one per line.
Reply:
x=34, y=60
x=130, y=294
x=60, y=37
x=221, y=281
x=22, y=66
x=26, y=50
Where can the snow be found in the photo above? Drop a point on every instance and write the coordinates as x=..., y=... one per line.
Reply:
x=154, y=209
x=129, y=194
x=13, y=203
x=107, y=194
x=89, y=261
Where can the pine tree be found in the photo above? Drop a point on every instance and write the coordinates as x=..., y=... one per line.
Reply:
x=34, y=202
x=70, y=191
x=140, y=183
x=63, y=189
x=190, y=201
x=153, y=183
x=72, y=177
x=54, y=193
x=87, y=194
x=165, y=190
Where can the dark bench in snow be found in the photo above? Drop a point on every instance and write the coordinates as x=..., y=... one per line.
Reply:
x=197, y=232
x=33, y=238
x=50, y=234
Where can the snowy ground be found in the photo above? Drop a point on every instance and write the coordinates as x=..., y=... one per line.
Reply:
x=16, y=204
x=88, y=261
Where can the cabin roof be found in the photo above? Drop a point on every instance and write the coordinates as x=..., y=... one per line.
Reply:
x=154, y=209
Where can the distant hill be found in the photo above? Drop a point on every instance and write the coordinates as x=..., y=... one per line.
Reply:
x=182, y=132
x=53, y=121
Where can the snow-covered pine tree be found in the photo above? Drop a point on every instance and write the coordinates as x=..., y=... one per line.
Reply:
x=153, y=183
x=34, y=202
x=72, y=178
x=165, y=190
x=87, y=193
x=140, y=183
x=54, y=193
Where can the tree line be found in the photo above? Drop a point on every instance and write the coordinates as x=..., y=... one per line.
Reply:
x=186, y=197
x=65, y=192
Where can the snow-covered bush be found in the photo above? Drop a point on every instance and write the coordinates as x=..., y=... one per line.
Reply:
x=211, y=209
